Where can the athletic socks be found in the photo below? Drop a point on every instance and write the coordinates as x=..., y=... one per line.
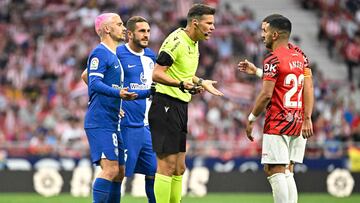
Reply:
x=162, y=188
x=101, y=190
x=279, y=188
x=149, y=189
x=176, y=189
x=115, y=193
x=293, y=195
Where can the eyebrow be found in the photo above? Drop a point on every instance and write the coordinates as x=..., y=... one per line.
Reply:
x=144, y=29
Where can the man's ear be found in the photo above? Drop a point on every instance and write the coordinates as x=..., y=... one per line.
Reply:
x=128, y=34
x=195, y=22
x=107, y=29
x=275, y=35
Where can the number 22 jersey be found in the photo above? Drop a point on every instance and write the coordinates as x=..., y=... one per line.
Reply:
x=284, y=113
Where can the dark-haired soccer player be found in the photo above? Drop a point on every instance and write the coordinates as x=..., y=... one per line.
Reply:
x=308, y=101
x=101, y=120
x=138, y=63
x=282, y=96
x=175, y=76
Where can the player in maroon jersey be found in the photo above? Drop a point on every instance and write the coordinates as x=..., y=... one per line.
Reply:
x=282, y=96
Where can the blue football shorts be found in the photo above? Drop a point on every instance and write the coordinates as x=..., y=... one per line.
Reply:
x=139, y=155
x=105, y=143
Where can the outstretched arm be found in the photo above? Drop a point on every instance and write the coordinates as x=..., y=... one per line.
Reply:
x=124, y=93
x=207, y=85
x=249, y=68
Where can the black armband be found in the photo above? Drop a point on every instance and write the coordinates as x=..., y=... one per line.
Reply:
x=164, y=59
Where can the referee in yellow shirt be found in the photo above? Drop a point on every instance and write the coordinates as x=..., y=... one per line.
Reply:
x=174, y=73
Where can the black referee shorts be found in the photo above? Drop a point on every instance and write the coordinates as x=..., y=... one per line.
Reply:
x=168, y=124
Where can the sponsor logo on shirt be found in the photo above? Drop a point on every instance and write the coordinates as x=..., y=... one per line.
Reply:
x=269, y=68
x=136, y=86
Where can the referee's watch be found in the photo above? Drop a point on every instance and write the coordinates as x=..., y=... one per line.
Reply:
x=200, y=81
x=181, y=86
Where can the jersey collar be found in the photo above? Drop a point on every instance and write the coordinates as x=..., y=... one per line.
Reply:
x=108, y=48
x=281, y=48
x=133, y=52
x=187, y=38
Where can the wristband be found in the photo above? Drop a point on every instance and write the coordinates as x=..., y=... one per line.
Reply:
x=200, y=81
x=259, y=72
x=181, y=86
x=252, y=117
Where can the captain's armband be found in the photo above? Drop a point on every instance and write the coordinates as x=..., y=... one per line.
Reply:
x=307, y=72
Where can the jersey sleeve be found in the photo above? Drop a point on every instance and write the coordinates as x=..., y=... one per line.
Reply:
x=171, y=46
x=142, y=94
x=271, y=67
x=97, y=65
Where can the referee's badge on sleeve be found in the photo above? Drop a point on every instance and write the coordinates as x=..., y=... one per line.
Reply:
x=94, y=63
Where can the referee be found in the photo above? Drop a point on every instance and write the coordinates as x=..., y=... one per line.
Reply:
x=174, y=73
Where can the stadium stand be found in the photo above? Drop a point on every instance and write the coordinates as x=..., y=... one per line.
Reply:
x=43, y=100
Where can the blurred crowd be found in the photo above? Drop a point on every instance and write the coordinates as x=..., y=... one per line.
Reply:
x=43, y=100
x=339, y=29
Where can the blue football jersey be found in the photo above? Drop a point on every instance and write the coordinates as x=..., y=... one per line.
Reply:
x=138, y=68
x=105, y=77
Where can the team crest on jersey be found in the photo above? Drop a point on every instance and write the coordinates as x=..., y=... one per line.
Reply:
x=94, y=63
x=289, y=117
x=142, y=78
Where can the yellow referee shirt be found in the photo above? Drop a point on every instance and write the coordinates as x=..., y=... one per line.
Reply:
x=185, y=54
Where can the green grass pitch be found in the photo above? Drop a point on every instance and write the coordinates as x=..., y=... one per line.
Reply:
x=210, y=198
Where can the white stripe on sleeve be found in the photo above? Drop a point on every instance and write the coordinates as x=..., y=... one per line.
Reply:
x=97, y=74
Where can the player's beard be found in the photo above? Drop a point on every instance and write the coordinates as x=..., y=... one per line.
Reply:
x=137, y=42
x=268, y=43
